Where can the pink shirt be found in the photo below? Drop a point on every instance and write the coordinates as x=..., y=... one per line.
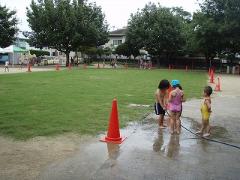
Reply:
x=175, y=105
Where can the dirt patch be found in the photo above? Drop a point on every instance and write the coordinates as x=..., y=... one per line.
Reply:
x=25, y=159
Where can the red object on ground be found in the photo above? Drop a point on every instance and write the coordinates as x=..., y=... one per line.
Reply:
x=29, y=68
x=218, y=85
x=212, y=76
x=113, y=134
x=57, y=67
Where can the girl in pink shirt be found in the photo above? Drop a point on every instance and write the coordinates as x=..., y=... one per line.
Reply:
x=175, y=106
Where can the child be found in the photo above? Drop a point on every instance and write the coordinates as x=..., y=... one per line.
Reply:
x=206, y=111
x=175, y=106
x=6, y=66
x=161, y=101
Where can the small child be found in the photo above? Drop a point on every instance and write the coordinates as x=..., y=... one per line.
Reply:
x=206, y=111
x=161, y=101
x=6, y=68
x=175, y=106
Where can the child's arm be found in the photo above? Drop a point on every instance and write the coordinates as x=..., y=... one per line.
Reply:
x=171, y=95
x=208, y=103
x=183, y=98
x=160, y=98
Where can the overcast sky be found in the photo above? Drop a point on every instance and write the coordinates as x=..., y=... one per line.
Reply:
x=117, y=11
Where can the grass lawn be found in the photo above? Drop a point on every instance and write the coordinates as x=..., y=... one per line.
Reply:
x=79, y=101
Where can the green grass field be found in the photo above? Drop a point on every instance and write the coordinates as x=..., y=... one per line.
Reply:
x=79, y=101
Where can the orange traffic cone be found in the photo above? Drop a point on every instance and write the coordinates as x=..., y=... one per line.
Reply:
x=212, y=76
x=113, y=135
x=218, y=85
x=69, y=66
x=209, y=72
x=29, y=68
x=169, y=67
x=57, y=67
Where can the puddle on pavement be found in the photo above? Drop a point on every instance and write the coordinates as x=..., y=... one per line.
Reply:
x=145, y=146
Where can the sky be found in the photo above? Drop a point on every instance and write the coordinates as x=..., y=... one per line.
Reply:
x=117, y=11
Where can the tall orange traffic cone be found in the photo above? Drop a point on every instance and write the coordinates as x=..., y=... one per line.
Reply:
x=212, y=76
x=29, y=68
x=218, y=85
x=113, y=135
x=209, y=72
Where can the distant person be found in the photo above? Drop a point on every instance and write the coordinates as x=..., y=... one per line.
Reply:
x=206, y=111
x=6, y=68
x=175, y=106
x=72, y=61
x=21, y=63
x=141, y=64
x=160, y=105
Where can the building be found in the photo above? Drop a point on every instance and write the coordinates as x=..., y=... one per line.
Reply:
x=116, y=38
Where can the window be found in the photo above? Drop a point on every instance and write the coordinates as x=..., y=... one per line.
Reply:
x=117, y=42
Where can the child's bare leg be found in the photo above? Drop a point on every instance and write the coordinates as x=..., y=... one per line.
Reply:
x=172, y=122
x=160, y=122
x=202, y=128
x=207, y=128
x=178, y=123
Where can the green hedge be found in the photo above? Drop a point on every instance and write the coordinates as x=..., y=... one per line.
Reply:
x=39, y=53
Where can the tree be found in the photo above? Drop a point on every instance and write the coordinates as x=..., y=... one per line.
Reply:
x=217, y=28
x=66, y=25
x=8, y=28
x=157, y=30
x=123, y=49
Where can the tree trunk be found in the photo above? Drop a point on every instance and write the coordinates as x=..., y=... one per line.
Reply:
x=67, y=58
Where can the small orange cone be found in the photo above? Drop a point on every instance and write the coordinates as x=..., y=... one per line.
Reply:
x=29, y=68
x=69, y=66
x=218, y=85
x=113, y=135
x=57, y=67
x=209, y=72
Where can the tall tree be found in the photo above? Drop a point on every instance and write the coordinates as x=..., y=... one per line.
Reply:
x=156, y=29
x=8, y=26
x=216, y=28
x=67, y=25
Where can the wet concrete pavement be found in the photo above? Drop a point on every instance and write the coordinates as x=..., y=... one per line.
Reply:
x=152, y=153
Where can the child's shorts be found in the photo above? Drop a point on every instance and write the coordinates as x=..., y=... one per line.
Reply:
x=158, y=109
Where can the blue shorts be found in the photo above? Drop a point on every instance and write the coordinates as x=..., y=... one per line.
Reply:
x=158, y=109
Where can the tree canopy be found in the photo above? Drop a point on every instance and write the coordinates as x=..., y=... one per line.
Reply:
x=8, y=28
x=156, y=29
x=67, y=25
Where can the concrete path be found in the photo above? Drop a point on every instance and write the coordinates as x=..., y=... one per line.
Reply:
x=13, y=70
x=152, y=153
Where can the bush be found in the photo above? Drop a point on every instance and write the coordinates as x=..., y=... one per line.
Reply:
x=39, y=53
